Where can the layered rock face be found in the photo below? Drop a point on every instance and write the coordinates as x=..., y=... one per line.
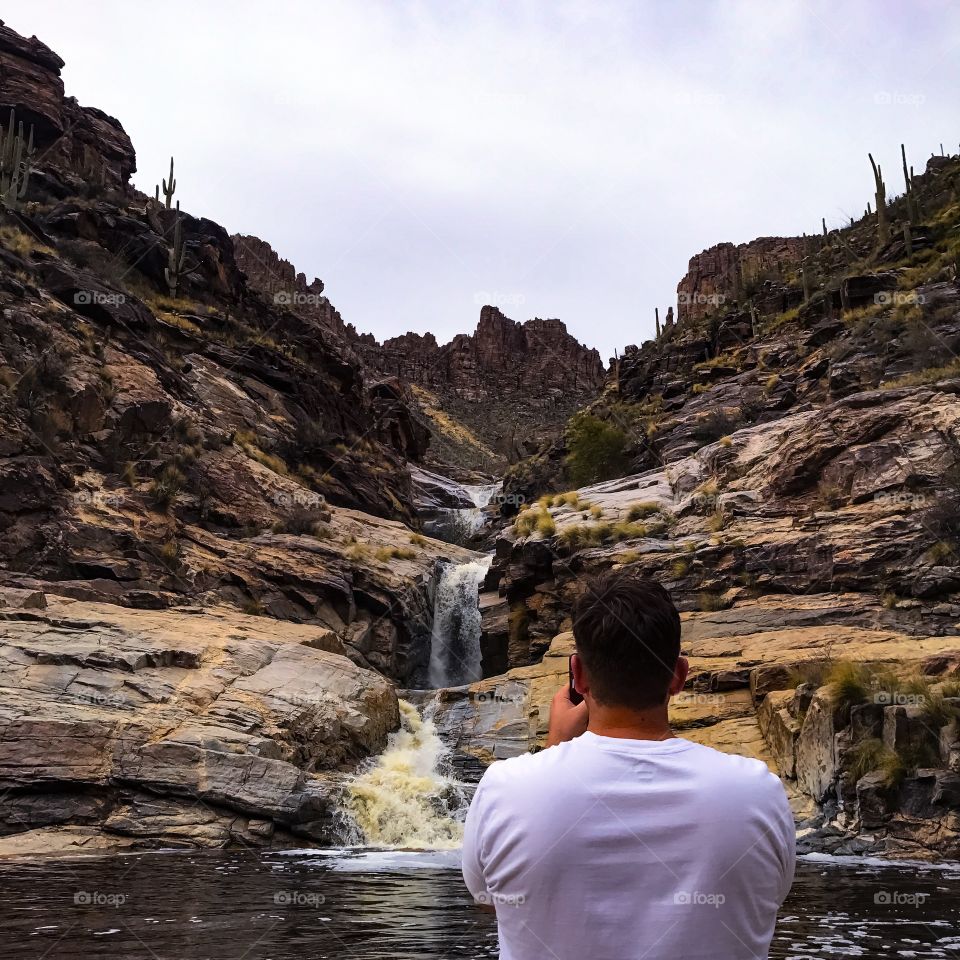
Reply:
x=792, y=479
x=511, y=385
x=196, y=727
x=80, y=141
x=722, y=275
x=280, y=283
x=207, y=578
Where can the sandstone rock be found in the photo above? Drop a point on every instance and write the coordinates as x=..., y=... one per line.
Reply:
x=179, y=722
x=816, y=754
x=780, y=730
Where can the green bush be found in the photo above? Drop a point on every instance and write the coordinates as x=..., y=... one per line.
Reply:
x=849, y=684
x=597, y=450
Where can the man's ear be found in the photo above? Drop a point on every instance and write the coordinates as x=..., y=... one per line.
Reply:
x=680, y=672
x=580, y=679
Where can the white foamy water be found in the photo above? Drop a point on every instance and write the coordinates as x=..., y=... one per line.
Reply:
x=455, y=657
x=404, y=799
x=481, y=495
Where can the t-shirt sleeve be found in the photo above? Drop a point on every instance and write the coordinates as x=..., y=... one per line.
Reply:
x=786, y=840
x=473, y=846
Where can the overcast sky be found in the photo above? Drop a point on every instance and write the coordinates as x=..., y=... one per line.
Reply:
x=560, y=159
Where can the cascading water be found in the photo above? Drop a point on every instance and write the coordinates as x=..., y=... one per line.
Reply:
x=463, y=524
x=404, y=799
x=455, y=657
x=481, y=495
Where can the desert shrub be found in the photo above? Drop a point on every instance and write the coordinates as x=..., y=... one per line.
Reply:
x=950, y=689
x=941, y=553
x=545, y=525
x=642, y=509
x=254, y=608
x=129, y=474
x=165, y=487
x=518, y=621
x=716, y=521
x=937, y=712
x=679, y=568
x=708, y=601
x=358, y=551
x=871, y=754
x=169, y=552
x=848, y=684
x=383, y=554
x=597, y=449
x=418, y=539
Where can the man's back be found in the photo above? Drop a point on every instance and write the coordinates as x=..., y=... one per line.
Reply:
x=604, y=848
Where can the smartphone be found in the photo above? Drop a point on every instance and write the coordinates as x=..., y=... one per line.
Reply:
x=575, y=697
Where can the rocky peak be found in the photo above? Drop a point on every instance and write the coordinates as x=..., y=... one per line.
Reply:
x=721, y=274
x=81, y=140
x=509, y=386
x=279, y=282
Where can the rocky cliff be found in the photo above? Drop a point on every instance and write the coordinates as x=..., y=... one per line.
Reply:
x=208, y=550
x=787, y=464
x=484, y=398
x=497, y=393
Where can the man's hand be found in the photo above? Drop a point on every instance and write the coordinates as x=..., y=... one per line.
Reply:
x=567, y=720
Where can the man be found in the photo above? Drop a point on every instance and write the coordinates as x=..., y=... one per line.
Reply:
x=621, y=841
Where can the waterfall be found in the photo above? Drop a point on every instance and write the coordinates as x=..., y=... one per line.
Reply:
x=455, y=641
x=404, y=799
x=461, y=525
x=481, y=494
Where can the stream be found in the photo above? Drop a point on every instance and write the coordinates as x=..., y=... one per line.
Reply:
x=306, y=905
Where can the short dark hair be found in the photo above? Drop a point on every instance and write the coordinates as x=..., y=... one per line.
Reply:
x=627, y=633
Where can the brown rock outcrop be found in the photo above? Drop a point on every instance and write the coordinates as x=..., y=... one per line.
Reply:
x=65, y=134
x=718, y=277
x=184, y=727
x=511, y=385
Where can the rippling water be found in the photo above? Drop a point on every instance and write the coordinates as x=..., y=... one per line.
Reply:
x=307, y=905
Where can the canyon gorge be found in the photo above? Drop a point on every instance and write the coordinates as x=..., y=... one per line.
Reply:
x=260, y=573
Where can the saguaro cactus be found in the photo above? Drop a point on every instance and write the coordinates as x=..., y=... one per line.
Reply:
x=883, y=225
x=169, y=187
x=176, y=258
x=656, y=320
x=908, y=182
x=15, y=159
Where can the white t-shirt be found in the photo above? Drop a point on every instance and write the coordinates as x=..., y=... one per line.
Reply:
x=610, y=849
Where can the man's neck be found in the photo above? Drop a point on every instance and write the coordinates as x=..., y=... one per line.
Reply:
x=626, y=724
